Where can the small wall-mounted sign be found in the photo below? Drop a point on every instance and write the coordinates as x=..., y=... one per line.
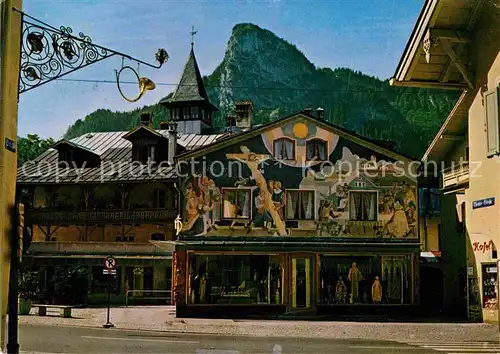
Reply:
x=470, y=271
x=483, y=203
x=10, y=144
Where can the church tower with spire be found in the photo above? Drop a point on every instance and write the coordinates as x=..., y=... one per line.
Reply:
x=189, y=106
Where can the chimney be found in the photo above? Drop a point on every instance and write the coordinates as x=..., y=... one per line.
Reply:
x=164, y=125
x=244, y=114
x=308, y=111
x=146, y=119
x=320, y=112
x=172, y=140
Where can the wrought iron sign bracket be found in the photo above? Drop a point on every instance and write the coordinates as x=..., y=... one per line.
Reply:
x=48, y=53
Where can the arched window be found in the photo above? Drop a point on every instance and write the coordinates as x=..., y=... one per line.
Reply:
x=316, y=149
x=284, y=149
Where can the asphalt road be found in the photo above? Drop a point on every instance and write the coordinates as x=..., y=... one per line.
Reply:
x=52, y=339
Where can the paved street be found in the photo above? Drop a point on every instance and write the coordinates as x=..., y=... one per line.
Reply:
x=51, y=339
x=162, y=319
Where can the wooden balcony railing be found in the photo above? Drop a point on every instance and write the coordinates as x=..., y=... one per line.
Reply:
x=50, y=217
x=456, y=175
x=97, y=248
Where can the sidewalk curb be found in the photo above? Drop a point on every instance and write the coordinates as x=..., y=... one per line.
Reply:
x=144, y=330
x=242, y=332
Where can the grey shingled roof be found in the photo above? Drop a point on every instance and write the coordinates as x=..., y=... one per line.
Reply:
x=191, y=87
x=115, y=153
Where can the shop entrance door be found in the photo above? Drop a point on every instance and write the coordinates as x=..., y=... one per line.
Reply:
x=302, y=282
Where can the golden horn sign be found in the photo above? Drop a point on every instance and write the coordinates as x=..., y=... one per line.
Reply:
x=145, y=84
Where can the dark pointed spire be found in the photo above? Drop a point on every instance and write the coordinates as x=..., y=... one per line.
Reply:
x=191, y=87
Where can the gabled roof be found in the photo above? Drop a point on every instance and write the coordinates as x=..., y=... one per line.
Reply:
x=454, y=128
x=191, y=87
x=142, y=128
x=356, y=138
x=73, y=145
x=438, y=18
x=113, y=150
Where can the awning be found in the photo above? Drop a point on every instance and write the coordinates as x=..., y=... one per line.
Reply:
x=430, y=257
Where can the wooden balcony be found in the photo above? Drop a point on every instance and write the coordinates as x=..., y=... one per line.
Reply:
x=55, y=249
x=51, y=217
x=456, y=175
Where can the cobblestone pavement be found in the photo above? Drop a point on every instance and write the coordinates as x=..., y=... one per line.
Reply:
x=162, y=318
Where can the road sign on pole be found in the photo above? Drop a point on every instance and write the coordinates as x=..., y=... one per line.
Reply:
x=109, y=263
x=110, y=270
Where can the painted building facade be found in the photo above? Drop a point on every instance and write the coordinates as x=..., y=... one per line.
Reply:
x=456, y=45
x=296, y=215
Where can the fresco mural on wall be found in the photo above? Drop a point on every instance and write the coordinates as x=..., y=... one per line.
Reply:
x=348, y=197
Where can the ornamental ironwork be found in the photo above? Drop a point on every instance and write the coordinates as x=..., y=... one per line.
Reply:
x=48, y=53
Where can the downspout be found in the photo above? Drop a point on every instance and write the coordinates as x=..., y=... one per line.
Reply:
x=426, y=206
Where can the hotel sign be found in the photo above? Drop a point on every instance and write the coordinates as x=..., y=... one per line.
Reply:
x=483, y=203
x=483, y=247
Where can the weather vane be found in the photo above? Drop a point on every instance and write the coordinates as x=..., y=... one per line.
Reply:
x=192, y=33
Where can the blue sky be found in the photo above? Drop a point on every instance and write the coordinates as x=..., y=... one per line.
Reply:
x=365, y=35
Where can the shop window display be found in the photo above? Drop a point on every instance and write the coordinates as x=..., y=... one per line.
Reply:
x=252, y=279
x=365, y=280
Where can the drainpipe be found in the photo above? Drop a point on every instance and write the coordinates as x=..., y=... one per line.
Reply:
x=426, y=209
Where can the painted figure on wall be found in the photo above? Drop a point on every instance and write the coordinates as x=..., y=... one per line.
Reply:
x=327, y=219
x=191, y=208
x=397, y=226
x=262, y=216
x=402, y=204
x=253, y=161
x=354, y=278
x=343, y=196
x=278, y=197
x=201, y=198
x=387, y=203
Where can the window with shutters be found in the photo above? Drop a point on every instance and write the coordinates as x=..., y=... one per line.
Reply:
x=491, y=105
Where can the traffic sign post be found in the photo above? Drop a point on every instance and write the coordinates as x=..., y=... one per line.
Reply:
x=110, y=270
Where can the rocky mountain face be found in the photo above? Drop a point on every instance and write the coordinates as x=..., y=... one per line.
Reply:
x=280, y=80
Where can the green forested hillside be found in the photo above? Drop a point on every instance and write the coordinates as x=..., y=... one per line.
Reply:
x=279, y=79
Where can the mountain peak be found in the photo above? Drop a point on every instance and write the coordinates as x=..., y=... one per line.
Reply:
x=279, y=79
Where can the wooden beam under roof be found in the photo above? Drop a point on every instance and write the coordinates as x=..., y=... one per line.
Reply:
x=429, y=84
x=451, y=137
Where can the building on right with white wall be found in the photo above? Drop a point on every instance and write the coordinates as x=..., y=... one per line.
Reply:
x=455, y=45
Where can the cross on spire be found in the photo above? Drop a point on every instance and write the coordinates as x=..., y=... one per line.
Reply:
x=192, y=33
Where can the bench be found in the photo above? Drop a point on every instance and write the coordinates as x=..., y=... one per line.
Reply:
x=65, y=311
